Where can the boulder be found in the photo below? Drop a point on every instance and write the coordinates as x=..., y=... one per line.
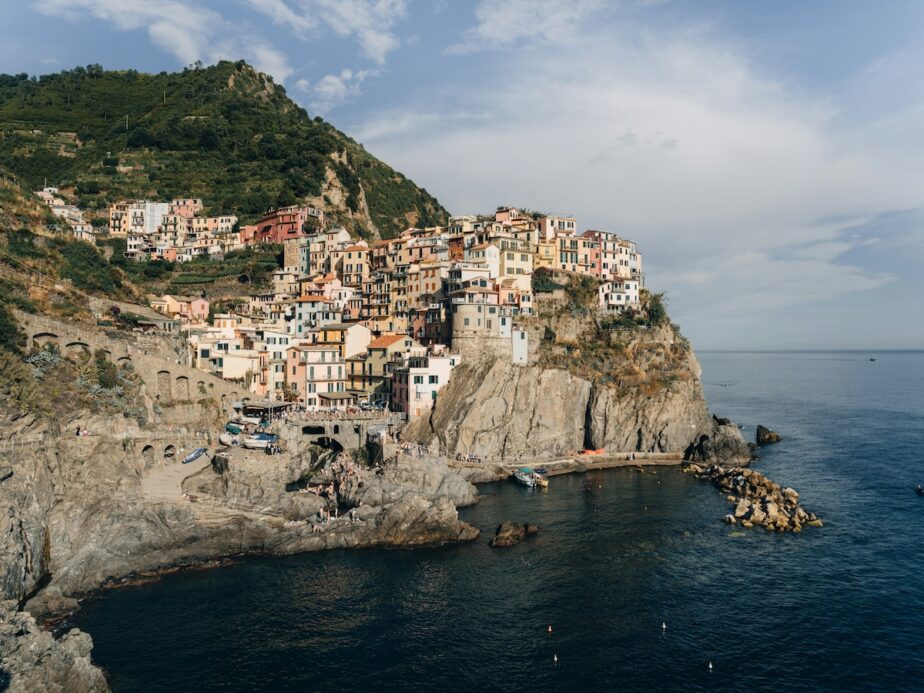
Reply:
x=743, y=508
x=512, y=533
x=729, y=519
x=765, y=436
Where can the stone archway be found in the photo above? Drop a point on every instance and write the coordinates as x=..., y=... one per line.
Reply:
x=170, y=452
x=313, y=430
x=200, y=386
x=147, y=456
x=182, y=387
x=76, y=348
x=163, y=386
x=329, y=443
x=40, y=339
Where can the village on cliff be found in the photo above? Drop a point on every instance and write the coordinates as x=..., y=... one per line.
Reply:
x=349, y=323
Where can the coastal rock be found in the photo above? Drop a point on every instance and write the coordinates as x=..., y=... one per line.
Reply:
x=511, y=533
x=32, y=660
x=765, y=436
x=759, y=502
x=497, y=410
x=429, y=477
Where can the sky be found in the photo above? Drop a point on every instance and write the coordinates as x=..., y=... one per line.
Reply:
x=767, y=157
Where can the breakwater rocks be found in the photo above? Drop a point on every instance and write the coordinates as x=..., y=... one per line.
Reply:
x=512, y=533
x=759, y=502
x=33, y=660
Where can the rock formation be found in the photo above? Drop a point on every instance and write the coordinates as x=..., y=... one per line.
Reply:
x=31, y=659
x=758, y=501
x=498, y=410
x=511, y=533
x=765, y=436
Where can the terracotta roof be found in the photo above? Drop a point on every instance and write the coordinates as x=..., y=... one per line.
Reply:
x=480, y=246
x=312, y=298
x=353, y=248
x=386, y=340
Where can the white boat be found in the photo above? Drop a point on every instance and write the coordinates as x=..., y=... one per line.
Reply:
x=525, y=476
x=226, y=439
x=254, y=443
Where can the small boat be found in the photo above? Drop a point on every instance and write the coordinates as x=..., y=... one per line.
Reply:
x=268, y=437
x=525, y=476
x=194, y=455
x=542, y=477
x=232, y=427
x=226, y=439
x=254, y=443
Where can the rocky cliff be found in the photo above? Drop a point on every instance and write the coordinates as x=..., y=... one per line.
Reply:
x=631, y=391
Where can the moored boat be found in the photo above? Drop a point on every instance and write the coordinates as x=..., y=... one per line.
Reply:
x=542, y=476
x=194, y=455
x=525, y=476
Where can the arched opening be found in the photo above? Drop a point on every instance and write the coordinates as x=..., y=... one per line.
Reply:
x=182, y=387
x=147, y=456
x=107, y=354
x=329, y=443
x=169, y=452
x=76, y=348
x=313, y=430
x=163, y=386
x=123, y=359
x=41, y=338
x=336, y=429
x=201, y=387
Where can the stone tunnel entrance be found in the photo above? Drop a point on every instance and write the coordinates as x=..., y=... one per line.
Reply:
x=328, y=443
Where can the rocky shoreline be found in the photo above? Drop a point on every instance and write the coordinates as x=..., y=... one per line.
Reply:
x=759, y=502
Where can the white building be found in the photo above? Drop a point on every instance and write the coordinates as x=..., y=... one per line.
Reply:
x=619, y=294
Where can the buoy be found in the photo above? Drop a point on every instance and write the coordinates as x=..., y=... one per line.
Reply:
x=710, y=666
x=663, y=625
x=555, y=658
x=550, y=628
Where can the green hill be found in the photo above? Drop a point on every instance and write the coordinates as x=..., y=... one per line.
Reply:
x=225, y=133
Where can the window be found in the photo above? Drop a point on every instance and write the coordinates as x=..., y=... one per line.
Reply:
x=418, y=380
x=434, y=380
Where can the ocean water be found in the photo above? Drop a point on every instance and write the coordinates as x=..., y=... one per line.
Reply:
x=618, y=554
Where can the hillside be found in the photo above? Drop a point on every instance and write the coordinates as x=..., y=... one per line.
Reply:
x=225, y=133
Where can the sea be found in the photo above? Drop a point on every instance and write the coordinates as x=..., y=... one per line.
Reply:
x=632, y=583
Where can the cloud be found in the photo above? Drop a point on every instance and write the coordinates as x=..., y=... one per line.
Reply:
x=506, y=23
x=186, y=30
x=333, y=90
x=369, y=22
x=678, y=141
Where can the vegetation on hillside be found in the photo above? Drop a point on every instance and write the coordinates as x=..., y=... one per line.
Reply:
x=225, y=133
x=249, y=269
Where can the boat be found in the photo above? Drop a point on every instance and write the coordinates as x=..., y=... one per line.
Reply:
x=254, y=443
x=232, y=427
x=194, y=455
x=542, y=476
x=268, y=437
x=525, y=476
x=226, y=439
